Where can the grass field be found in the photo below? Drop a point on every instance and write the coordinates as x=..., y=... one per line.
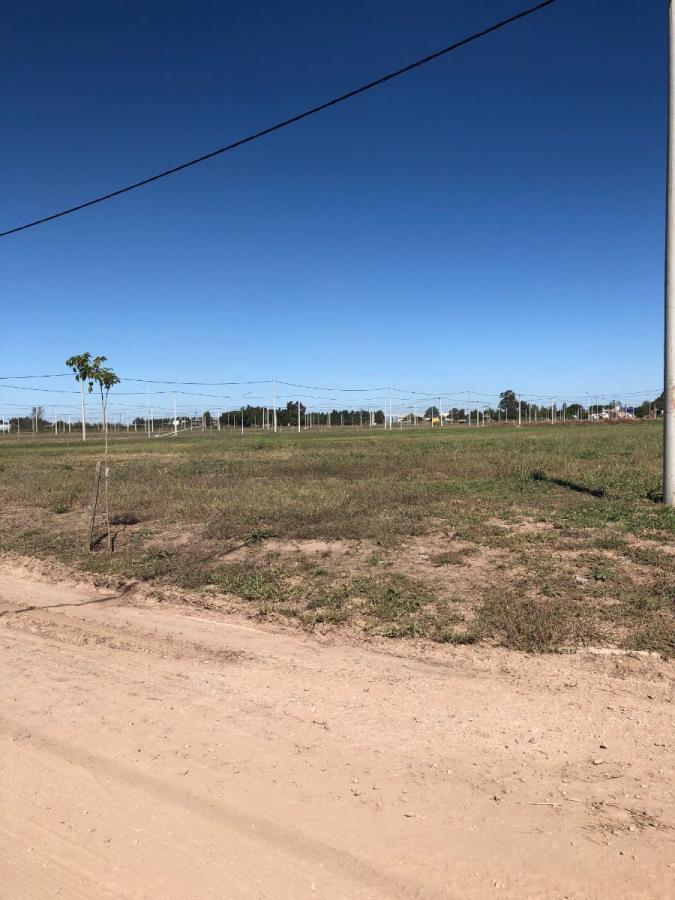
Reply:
x=538, y=538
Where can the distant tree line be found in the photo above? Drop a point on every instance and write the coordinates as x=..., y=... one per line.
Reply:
x=254, y=416
x=507, y=409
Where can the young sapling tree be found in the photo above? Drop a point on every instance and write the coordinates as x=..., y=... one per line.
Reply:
x=105, y=378
x=90, y=372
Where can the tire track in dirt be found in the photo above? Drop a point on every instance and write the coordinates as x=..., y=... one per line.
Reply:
x=150, y=751
x=279, y=840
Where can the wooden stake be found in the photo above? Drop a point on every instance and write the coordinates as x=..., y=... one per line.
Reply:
x=94, y=501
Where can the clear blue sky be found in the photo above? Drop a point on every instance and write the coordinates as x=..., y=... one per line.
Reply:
x=493, y=220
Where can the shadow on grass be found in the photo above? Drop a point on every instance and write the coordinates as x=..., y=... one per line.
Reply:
x=538, y=475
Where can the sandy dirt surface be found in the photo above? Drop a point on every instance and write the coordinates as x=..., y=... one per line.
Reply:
x=154, y=749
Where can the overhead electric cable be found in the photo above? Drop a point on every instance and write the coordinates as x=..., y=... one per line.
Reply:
x=195, y=383
x=18, y=377
x=316, y=387
x=286, y=122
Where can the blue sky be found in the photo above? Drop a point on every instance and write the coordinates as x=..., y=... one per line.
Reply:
x=493, y=220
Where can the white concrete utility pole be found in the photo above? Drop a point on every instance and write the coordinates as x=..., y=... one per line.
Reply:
x=669, y=349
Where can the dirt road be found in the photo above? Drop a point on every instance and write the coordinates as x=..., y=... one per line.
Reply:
x=154, y=749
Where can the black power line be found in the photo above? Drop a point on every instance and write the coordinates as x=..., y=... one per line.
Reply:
x=17, y=377
x=286, y=122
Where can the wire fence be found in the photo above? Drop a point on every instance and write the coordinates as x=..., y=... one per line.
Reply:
x=52, y=403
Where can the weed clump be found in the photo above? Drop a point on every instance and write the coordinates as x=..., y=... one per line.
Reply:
x=533, y=626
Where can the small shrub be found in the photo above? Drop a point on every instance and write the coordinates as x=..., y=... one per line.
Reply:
x=258, y=536
x=601, y=573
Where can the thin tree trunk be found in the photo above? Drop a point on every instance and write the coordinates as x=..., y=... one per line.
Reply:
x=84, y=427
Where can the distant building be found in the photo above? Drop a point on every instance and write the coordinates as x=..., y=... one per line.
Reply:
x=612, y=414
x=5, y=426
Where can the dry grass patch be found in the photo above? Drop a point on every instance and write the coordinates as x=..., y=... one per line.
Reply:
x=536, y=538
x=457, y=557
x=533, y=625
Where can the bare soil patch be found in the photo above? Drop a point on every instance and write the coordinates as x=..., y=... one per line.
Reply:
x=153, y=747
